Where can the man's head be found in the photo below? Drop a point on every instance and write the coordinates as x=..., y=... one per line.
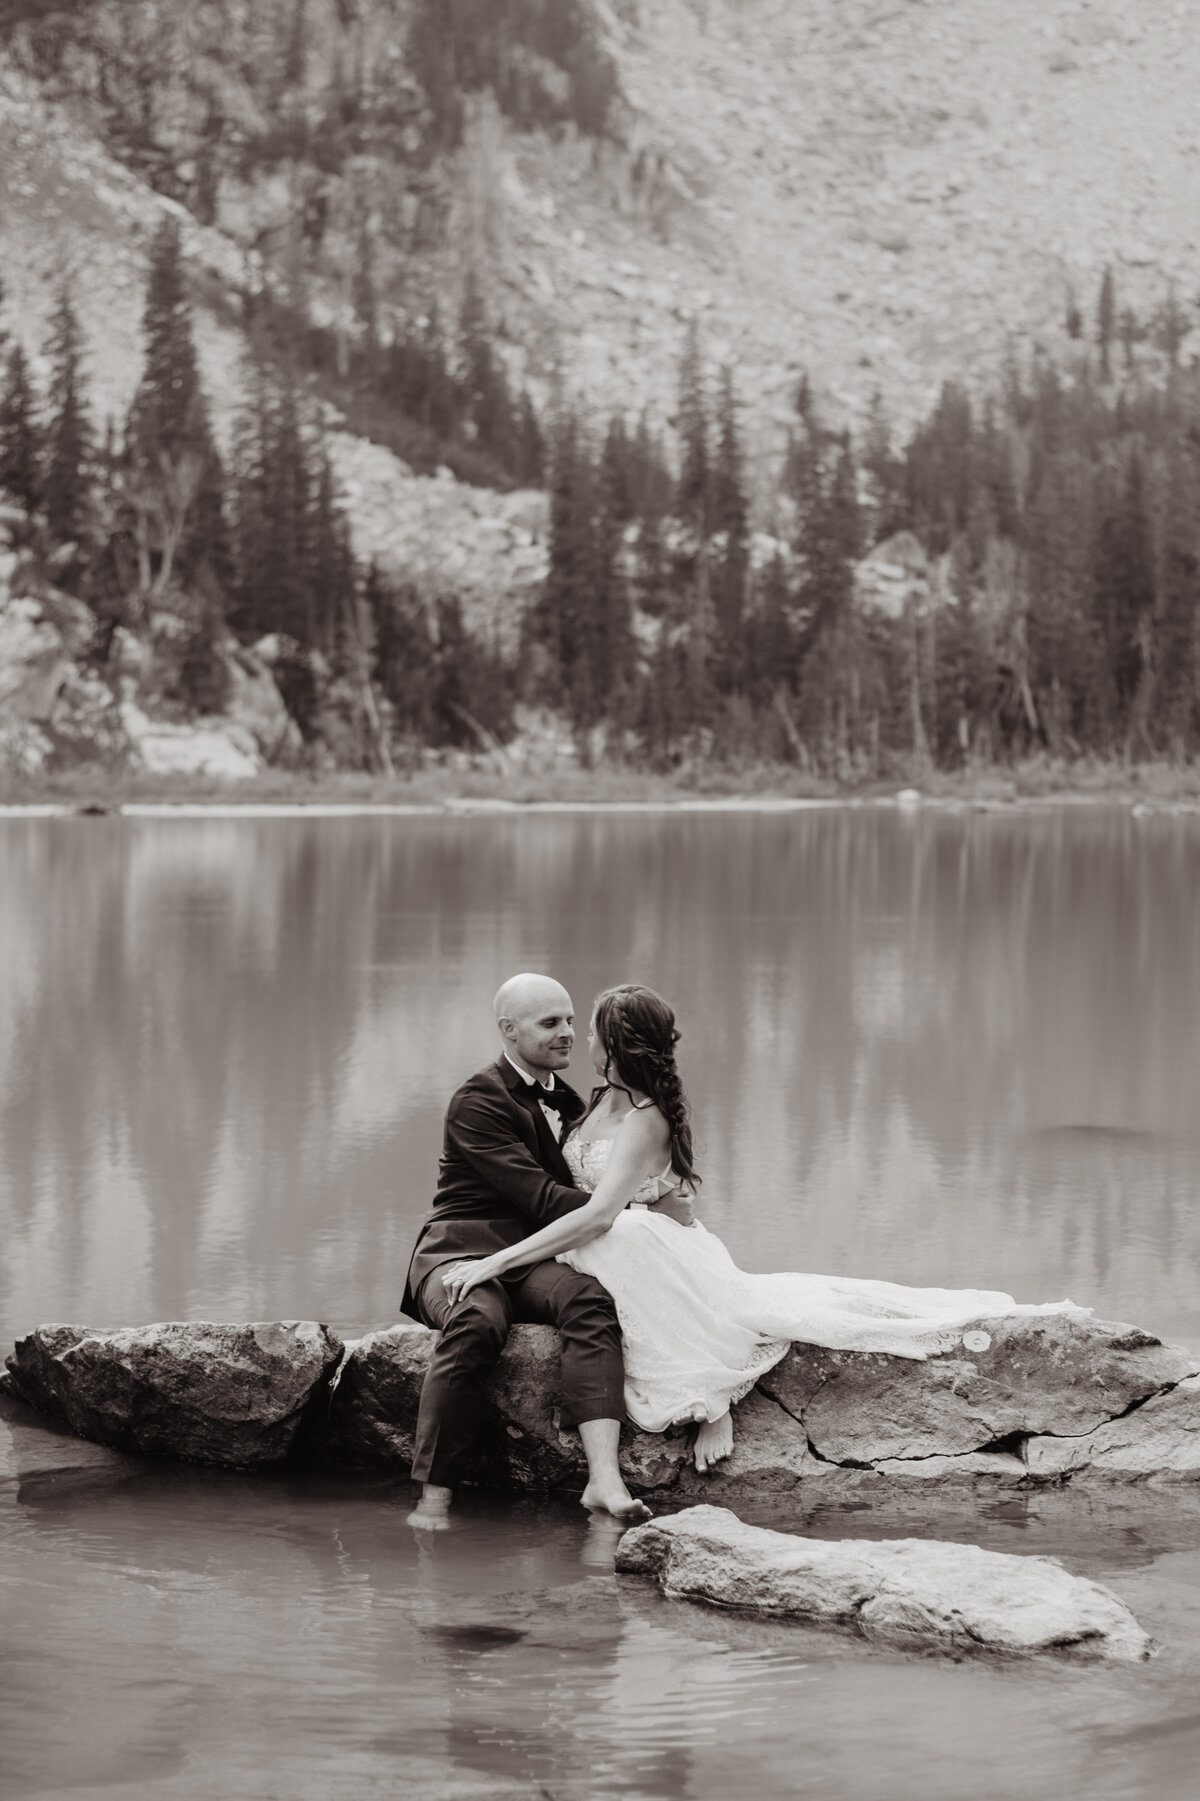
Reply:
x=537, y=1023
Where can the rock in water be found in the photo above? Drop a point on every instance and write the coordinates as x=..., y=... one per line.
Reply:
x=237, y=1395
x=904, y=1594
x=1025, y=1374
x=1023, y=1401
x=1156, y=1443
x=374, y=1412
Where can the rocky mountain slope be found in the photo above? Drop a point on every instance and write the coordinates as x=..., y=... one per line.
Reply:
x=881, y=194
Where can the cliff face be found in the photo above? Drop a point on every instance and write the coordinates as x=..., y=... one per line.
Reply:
x=882, y=195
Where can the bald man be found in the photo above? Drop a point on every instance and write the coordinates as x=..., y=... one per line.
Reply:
x=503, y=1177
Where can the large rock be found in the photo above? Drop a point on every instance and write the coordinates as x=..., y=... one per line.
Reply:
x=255, y=703
x=1011, y=1378
x=905, y=1594
x=236, y=1395
x=214, y=747
x=374, y=1411
x=1034, y=1400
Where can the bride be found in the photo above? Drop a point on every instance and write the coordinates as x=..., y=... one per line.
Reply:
x=697, y=1331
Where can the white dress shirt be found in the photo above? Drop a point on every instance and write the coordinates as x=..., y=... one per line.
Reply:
x=554, y=1120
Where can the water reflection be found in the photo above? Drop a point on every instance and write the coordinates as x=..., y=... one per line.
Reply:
x=958, y=1049
x=286, y=1637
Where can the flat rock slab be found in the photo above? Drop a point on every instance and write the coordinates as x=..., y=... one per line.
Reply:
x=1026, y=1374
x=239, y=1395
x=904, y=1594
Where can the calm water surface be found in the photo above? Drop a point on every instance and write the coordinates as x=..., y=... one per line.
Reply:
x=940, y=1048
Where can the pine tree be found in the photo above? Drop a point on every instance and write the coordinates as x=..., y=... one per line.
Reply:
x=885, y=471
x=1106, y=319
x=485, y=385
x=731, y=525
x=174, y=479
x=20, y=438
x=67, y=492
x=405, y=662
x=692, y=499
x=1125, y=596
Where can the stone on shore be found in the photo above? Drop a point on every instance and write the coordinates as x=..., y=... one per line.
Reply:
x=902, y=1594
x=239, y=1395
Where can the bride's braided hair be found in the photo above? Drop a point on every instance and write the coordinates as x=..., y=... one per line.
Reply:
x=636, y=1027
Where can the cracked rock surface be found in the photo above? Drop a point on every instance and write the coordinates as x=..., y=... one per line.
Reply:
x=1031, y=1374
x=902, y=1594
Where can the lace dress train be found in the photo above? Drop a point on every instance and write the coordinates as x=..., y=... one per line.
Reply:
x=699, y=1332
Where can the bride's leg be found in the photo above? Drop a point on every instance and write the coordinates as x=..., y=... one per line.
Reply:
x=714, y=1441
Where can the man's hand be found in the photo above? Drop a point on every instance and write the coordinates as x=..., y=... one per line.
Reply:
x=677, y=1206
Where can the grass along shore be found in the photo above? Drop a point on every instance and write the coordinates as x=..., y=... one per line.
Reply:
x=89, y=788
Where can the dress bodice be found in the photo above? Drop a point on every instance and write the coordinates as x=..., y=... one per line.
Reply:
x=587, y=1160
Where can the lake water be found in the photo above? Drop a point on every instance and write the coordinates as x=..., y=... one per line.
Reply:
x=939, y=1047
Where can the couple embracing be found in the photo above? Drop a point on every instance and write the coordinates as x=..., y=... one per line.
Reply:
x=582, y=1217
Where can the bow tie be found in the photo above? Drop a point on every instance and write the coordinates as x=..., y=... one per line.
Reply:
x=557, y=1099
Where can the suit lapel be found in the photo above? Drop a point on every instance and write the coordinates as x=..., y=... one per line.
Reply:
x=548, y=1144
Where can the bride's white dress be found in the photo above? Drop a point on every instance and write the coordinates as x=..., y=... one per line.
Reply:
x=698, y=1332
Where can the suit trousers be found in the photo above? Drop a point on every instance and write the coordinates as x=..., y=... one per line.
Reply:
x=473, y=1334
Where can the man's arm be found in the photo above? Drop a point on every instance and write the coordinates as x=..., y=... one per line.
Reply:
x=480, y=1129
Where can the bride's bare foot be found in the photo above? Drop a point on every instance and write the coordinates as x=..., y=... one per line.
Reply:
x=610, y=1495
x=432, y=1511
x=714, y=1442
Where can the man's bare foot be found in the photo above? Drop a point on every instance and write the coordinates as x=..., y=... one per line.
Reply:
x=432, y=1511
x=714, y=1441
x=611, y=1496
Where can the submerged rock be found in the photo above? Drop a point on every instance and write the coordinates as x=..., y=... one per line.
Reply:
x=902, y=1594
x=238, y=1395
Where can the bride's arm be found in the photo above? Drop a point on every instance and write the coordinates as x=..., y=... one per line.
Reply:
x=641, y=1147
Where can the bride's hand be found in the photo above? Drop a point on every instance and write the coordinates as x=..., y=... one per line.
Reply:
x=461, y=1278
x=677, y=1206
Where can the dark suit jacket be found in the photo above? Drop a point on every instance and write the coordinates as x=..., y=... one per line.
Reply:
x=502, y=1174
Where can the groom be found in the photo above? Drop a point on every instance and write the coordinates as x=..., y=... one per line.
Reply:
x=503, y=1177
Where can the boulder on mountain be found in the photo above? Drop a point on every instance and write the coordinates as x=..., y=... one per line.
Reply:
x=895, y=575
x=34, y=660
x=210, y=746
x=255, y=704
x=239, y=1395
x=902, y=1594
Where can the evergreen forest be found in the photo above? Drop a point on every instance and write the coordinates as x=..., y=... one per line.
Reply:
x=1051, y=535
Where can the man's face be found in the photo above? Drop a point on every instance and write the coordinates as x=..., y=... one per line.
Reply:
x=540, y=1035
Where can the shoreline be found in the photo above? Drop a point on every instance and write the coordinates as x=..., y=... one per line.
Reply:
x=485, y=789
x=468, y=808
